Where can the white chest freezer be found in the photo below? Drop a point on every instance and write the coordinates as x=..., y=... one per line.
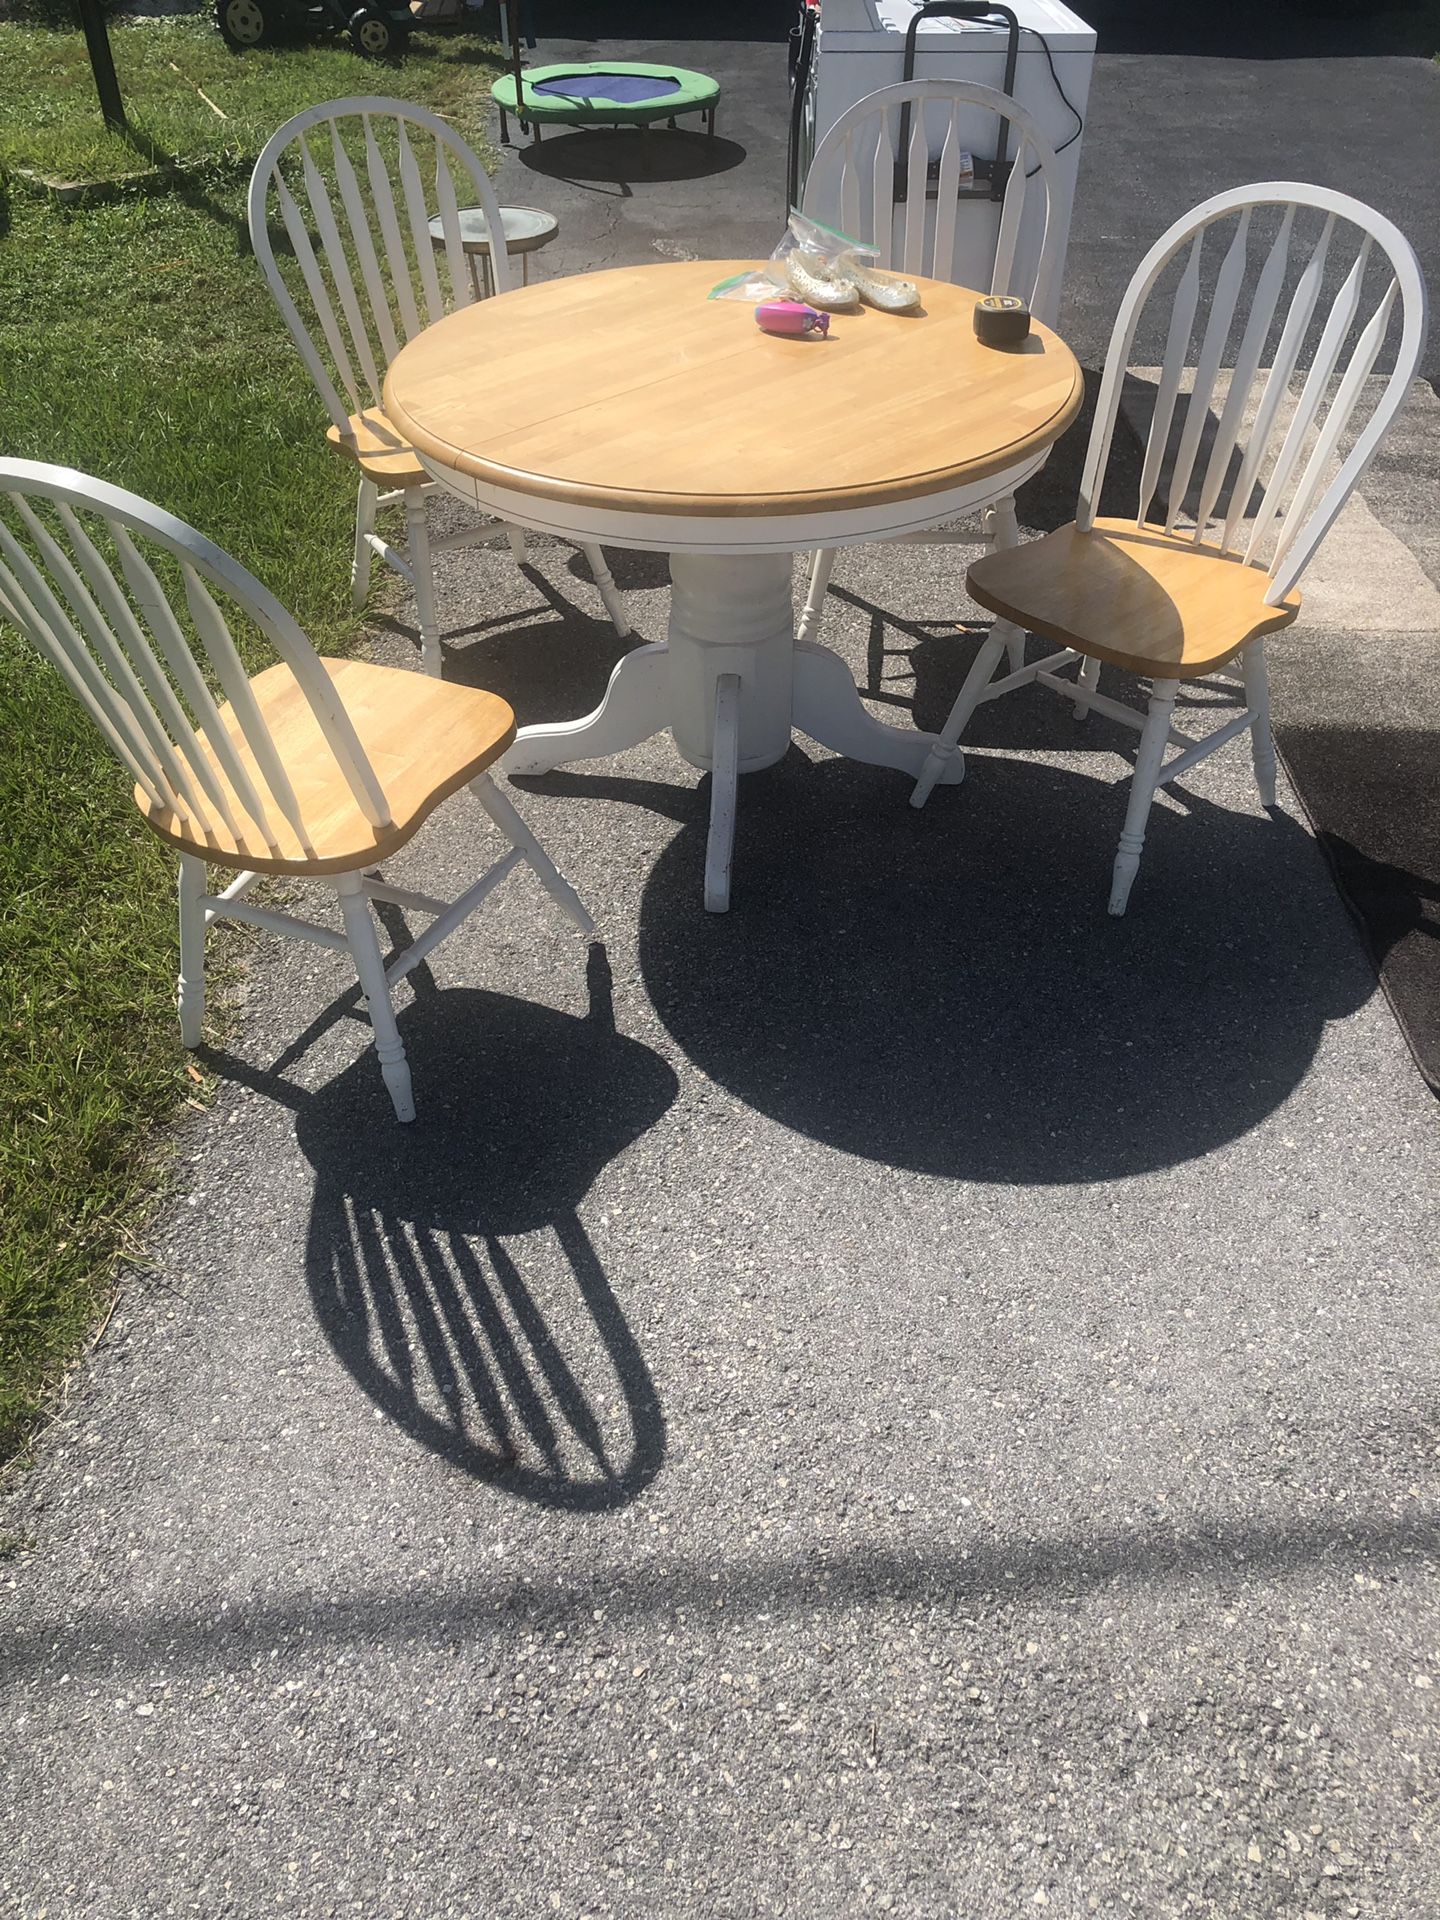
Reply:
x=859, y=45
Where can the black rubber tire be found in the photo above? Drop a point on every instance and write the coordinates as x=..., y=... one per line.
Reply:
x=375, y=35
x=247, y=23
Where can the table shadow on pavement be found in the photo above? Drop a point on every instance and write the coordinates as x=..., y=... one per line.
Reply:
x=945, y=992
x=447, y=1261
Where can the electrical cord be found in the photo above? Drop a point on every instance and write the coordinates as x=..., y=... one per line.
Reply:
x=1066, y=101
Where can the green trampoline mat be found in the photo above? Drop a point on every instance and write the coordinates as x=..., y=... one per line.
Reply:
x=686, y=92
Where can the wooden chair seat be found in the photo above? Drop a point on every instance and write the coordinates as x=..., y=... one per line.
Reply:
x=424, y=738
x=1152, y=603
x=381, y=452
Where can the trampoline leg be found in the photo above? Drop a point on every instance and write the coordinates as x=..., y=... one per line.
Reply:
x=504, y=128
x=710, y=121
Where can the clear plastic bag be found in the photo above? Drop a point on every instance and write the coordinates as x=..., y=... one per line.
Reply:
x=803, y=235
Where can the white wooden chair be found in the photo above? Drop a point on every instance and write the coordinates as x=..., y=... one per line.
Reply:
x=853, y=178
x=315, y=768
x=1175, y=593
x=371, y=277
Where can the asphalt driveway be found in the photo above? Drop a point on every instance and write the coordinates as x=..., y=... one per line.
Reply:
x=912, y=1397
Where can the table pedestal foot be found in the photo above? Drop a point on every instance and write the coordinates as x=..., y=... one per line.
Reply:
x=828, y=708
x=636, y=704
x=724, y=780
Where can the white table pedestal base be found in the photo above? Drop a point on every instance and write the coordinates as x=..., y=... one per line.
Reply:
x=732, y=685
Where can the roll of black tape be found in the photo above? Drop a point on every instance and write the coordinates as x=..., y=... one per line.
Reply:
x=1001, y=320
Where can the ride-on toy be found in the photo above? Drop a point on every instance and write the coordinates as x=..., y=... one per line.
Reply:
x=375, y=27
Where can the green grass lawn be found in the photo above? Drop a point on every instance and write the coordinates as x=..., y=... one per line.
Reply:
x=137, y=341
x=49, y=120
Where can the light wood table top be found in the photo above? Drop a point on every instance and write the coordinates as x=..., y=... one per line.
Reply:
x=629, y=390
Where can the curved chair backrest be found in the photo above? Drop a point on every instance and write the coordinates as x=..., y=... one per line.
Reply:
x=376, y=277
x=76, y=580
x=1254, y=412
x=859, y=167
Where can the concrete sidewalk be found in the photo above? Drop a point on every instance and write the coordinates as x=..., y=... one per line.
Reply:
x=912, y=1397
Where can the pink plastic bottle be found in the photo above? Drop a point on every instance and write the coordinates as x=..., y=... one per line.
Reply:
x=790, y=316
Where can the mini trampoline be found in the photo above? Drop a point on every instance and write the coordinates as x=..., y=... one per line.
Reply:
x=611, y=93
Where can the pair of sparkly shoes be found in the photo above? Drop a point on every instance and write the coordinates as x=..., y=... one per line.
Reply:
x=844, y=283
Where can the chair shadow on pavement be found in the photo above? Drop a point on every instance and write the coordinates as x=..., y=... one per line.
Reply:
x=447, y=1261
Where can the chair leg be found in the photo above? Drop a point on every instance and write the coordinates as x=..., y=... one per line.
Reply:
x=1257, y=699
x=364, y=554
x=1003, y=531
x=417, y=542
x=947, y=740
x=609, y=592
x=1153, y=741
x=518, y=549
x=502, y=811
x=191, y=986
x=370, y=968
x=1088, y=681
x=815, y=597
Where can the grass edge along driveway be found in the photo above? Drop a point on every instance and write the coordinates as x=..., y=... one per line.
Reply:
x=139, y=342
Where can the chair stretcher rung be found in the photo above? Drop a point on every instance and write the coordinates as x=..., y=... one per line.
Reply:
x=1198, y=750
x=1036, y=670
x=481, y=536
x=390, y=556
x=404, y=897
x=1102, y=703
x=441, y=928
x=217, y=907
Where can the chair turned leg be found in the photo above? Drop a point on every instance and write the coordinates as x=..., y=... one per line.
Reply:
x=1148, y=760
x=814, y=608
x=609, y=592
x=1087, y=682
x=1003, y=532
x=1257, y=699
x=191, y=986
x=502, y=811
x=364, y=553
x=417, y=541
x=518, y=548
x=370, y=968
x=947, y=740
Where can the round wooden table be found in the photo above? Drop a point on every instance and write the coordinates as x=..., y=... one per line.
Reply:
x=627, y=408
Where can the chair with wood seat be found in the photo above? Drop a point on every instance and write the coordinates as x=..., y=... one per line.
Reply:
x=369, y=276
x=1241, y=475
x=873, y=172
x=316, y=769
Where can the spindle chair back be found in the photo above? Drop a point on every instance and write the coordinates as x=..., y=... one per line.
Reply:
x=884, y=145
x=1265, y=437
x=347, y=191
x=355, y=184
x=885, y=142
